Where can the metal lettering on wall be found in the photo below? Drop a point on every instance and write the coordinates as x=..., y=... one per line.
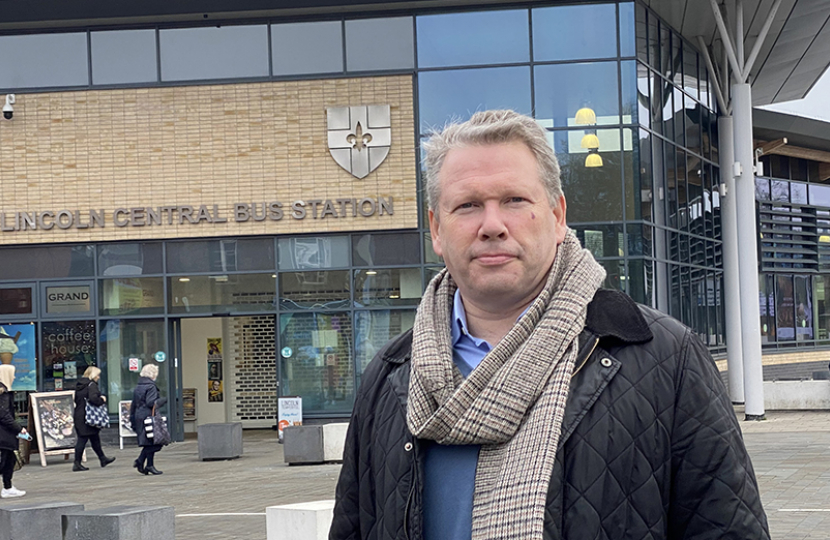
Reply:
x=365, y=207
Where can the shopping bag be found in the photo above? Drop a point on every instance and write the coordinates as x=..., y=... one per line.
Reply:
x=156, y=429
x=96, y=415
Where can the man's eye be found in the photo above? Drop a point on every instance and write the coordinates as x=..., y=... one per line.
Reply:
x=517, y=199
x=465, y=205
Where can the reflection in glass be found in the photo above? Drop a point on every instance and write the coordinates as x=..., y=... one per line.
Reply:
x=47, y=262
x=54, y=59
x=387, y=287
x=640, y=32
x=483, y=37
x=640, y=240
x=67, y=349
x=574, y=32
x=592, y=85
x=766, y=285
x=643, y=92
x=220, y=255
x=798, y=193
x=223, y=293
x=593, y=193
x=124, y=56
x=821, y=308
x=386, y=249
x=373, y=329
x=316, y=357
x=16, y=301
x=644, y=191
x=373, y=44
x=803, y=308
x=614, y=274
x=314, y=290
x=627, y=29
x=129, y=259
x=641, y=281
x=309, y=252
x=601, y=240
x=784, y=308
x=132, y=296
x=121, y=341
x=457, y=94
x=312, y=47
x=218, y=52
x=762, y=191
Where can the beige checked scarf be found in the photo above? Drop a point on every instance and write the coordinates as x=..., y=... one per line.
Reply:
x=513, y=402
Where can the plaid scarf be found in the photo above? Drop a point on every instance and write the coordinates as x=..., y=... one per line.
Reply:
x=513, y=402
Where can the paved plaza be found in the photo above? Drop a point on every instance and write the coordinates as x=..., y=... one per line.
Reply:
x=227, y=499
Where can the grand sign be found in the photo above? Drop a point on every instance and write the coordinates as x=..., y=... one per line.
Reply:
x=180, y=214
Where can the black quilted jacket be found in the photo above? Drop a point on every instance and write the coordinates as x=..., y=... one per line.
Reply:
x=650, y=447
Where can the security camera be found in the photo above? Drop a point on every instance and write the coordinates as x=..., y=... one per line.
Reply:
x=8, y=110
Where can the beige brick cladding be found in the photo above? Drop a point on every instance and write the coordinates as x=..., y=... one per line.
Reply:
x=102, y=150
x=785, y=358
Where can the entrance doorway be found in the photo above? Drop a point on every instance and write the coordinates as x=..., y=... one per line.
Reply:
x=227, y=372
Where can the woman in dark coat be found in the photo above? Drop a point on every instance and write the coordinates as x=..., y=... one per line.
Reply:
x=145, y=398
x=9, y=429
x=87, y=390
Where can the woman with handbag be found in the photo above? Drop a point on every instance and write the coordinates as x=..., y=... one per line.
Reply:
x=9, y=431
x=87, y=398
x=146, y=399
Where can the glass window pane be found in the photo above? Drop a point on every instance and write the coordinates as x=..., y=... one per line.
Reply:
x=47, y=262
x=220, y=255
x=593, y=189
x=643, y=95
x=803, y=308
x=130, y=259
x=641, y=281
x=299, y=48
x=313, y=252
x=457, y=94
x=373, y=329
x=43, y=60
x=484, y=37
x=575, y=32
x=767, y=308
x=124, y=56
x=387, y=287
x=386, y=249
x=614, y=274
x=67, y=349
x=653, y=42
x=231, y=293
x=132, y=296
x=644, y=190
x=319, y=367
x=601, y=240
x=120, y=341
x=641, y=30
x=627, y=29
x=313, y=290
x=373, y=44
x=798, y=193
x=591, y=85
x=821, y=291
x=16, y=301
x=214, y=52
x=784, y=308
x=628, y=79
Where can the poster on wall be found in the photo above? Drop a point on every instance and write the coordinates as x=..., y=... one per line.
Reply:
x=215, y=392
x=23, y=359
x=67, y=349
x=214, y=358
x=214, y=349
x=189, y=403
x=54, y=421
x=214, y=371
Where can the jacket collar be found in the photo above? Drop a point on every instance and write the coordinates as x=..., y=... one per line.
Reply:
x=612, y=316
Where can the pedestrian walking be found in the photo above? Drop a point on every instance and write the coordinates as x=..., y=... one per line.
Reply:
x=146, y=398
x=9, y=431
x=87, y=391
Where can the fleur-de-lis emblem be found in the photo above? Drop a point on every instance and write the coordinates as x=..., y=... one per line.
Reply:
x=358, y=139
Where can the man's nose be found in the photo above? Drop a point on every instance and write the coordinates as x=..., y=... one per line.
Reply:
x=492, y=223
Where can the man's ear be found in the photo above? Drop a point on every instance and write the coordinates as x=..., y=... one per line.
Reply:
x=560, y=210
x=435, y=234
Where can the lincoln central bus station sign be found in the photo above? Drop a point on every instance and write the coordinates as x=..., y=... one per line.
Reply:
x=179, y=214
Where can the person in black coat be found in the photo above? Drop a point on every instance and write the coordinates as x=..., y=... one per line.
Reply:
x=9, y=430
x=87, y=390
x=146, y=397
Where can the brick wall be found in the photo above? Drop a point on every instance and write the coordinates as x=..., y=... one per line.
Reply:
x=198, y=145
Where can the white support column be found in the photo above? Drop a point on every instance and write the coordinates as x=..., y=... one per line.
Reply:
x=731, y=271
x=748, y=252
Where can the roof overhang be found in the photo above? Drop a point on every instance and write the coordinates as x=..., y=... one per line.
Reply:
x=792, y=58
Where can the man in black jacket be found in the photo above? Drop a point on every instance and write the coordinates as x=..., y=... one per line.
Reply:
x=527, y=402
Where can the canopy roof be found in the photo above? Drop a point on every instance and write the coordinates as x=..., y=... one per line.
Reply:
x=793, y=57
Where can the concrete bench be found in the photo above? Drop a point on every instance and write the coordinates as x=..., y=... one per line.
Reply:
x=797, y=395
x=314, y=444
x=220, y=441
x=41, y=521
x=121, y=523
x=308, y=521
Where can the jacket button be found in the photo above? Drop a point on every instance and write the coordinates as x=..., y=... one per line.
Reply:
x=408, y=447
x=606, y=362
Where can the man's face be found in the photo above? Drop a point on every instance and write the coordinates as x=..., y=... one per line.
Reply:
x=494, y=224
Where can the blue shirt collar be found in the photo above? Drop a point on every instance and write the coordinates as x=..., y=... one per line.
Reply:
x=459, y=323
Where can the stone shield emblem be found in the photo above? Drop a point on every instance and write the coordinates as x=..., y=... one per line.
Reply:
x=359, y=137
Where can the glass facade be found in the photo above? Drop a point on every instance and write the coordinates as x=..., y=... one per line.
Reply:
x=624, y=101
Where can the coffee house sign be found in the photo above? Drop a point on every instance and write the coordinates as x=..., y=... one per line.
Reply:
x=320, y=209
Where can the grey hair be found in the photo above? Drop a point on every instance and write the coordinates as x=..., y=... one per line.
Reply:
x=150, y=370
x=491, y=127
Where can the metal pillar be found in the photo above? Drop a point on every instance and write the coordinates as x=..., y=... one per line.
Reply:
x=731, y=272
x=747, y=251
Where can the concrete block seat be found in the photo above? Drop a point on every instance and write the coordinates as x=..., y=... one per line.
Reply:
x=314, y=444
x=121, y=523
x=309, y=521
x=41, y=521
x=220, y=441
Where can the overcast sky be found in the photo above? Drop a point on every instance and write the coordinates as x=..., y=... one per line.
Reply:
x=815, y=105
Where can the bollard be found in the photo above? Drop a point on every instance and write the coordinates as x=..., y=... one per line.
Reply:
x=41, y=521
x=303, y=521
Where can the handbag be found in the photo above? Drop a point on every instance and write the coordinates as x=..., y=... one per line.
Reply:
x=96, y=415
x=155, y=427
x=18, y=460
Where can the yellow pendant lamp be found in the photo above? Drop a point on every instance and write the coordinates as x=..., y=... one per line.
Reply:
x=590, y=141
x=593, y=160
x=586, y=116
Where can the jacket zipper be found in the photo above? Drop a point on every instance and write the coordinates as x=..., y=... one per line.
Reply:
x=585, y=361
x=411, y=493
